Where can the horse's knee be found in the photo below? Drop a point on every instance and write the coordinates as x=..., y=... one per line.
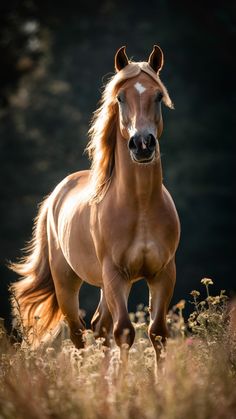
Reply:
x=124, y=333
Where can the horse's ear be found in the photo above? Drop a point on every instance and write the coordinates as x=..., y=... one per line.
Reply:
x=156, y=59
x=121, y=59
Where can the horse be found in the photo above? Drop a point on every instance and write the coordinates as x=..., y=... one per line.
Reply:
x=108, y=226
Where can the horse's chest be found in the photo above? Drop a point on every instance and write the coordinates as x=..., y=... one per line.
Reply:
x=139, y=242
x=142, y=258
x=140, y=252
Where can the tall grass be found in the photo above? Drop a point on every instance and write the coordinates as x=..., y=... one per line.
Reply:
x=196, y=376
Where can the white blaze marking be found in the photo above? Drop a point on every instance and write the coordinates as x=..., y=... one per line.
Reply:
x=139, y=87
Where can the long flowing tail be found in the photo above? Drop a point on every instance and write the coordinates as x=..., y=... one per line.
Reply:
x=34, y=302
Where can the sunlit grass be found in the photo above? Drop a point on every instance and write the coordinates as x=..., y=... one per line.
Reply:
x=196, y=376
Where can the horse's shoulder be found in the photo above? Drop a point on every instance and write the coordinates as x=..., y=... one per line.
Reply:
x=70, y=184
x=73, y=180
x=81, y=175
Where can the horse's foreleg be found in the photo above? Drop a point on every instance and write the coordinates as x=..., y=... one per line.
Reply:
x=101, y=322
x=161, y=290
x=67, y=286
x=116, y=289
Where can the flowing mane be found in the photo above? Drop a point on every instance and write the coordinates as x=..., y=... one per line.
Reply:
x=102, y=132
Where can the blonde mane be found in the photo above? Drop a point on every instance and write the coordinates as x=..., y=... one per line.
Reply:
x=103, y=129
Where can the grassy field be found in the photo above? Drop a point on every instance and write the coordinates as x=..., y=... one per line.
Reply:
x=195, y=378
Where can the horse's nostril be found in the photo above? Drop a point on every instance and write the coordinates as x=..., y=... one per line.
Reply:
x=151, y=142
x=142, y=143
x=131, y=144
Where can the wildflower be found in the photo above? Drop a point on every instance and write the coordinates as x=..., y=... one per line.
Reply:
x=210, y=300
x=88, y=337
x=195, y=293
x=202, y=318
x=51, y=393
x=17, y=345
x=180, y=305
x=50, y=351
x=158, y=338
x=132, y=317
x=159, y=341
x=207, y=281
x=216, y=300
x=148, y=351
x=142, y=341
x=222, y=296
x=189, y=341
x=192, y=324
x=140, y=316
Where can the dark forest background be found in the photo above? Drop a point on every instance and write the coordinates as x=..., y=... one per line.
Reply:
x=54, y=58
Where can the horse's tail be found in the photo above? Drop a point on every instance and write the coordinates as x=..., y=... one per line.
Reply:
x=34, y=302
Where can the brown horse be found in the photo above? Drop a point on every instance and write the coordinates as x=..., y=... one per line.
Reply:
x=109, y=226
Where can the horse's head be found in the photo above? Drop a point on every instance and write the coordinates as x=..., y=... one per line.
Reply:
x=139, y=101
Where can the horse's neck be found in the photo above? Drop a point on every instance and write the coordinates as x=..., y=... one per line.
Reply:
x=134, y=181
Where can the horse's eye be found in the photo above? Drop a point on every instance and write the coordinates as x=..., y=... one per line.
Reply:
x=120, y=98
x=159, y=97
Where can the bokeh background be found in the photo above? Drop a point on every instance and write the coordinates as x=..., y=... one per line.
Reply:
x=55, y=57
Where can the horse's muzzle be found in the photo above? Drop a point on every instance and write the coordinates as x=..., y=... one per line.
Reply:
x=142, y=148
